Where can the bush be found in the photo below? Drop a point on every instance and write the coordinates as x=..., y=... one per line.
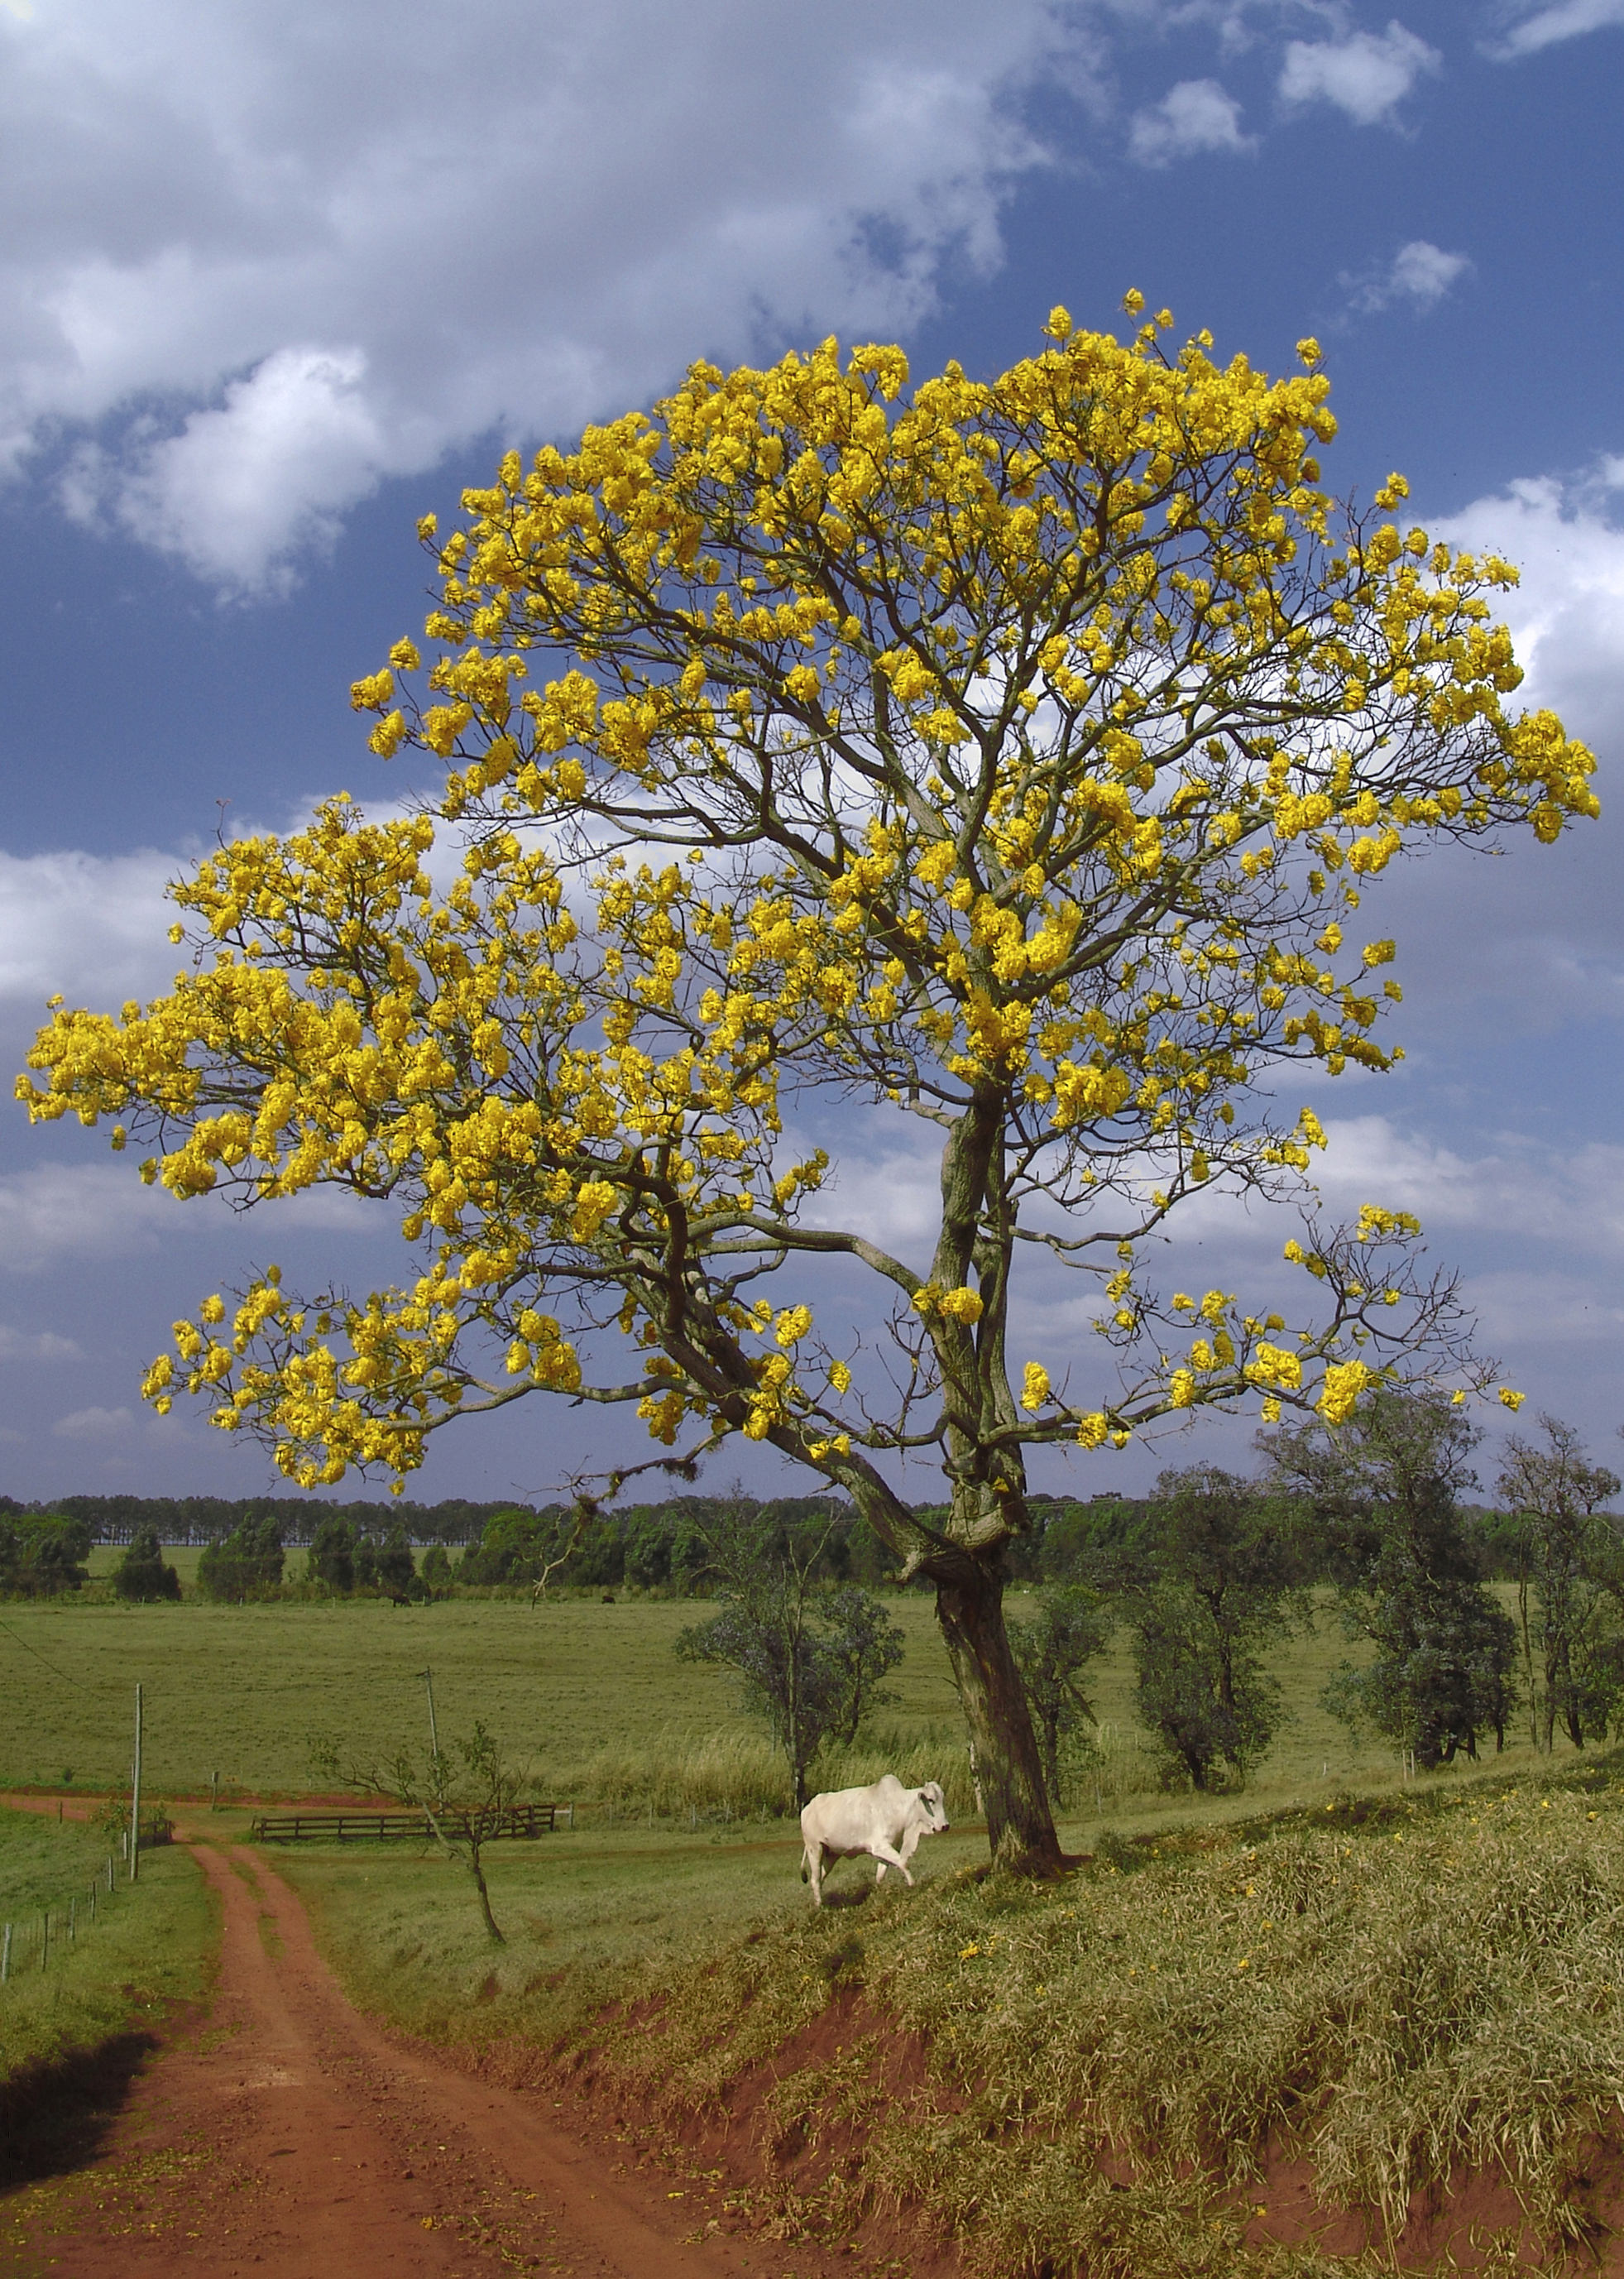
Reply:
x=141, y=1575
x=43, y=1556
x=331, y=1560
x=246, y=1565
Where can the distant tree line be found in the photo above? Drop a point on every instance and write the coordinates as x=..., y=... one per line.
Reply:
x=1366, y=1526
x=210, y=1519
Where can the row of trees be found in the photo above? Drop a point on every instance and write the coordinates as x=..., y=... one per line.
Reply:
x=341, y=1559
x=1221, y=1568
x=210, y=1519
x=1210, y=1574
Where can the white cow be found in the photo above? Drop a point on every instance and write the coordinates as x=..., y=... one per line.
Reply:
x=886, y=1820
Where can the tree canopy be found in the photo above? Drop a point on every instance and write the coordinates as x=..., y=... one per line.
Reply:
x=1383, y=1496
x=1012, y=755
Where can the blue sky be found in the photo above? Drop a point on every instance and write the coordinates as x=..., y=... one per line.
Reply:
x=274, y=282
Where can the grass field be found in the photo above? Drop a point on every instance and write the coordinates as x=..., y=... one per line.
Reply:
x=238, y=1690
x=591, y=1697
x=1424, y=1976
x=145, y=1948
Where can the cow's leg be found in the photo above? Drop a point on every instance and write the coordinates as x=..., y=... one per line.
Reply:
x=812, y=1869
x=889, y=1857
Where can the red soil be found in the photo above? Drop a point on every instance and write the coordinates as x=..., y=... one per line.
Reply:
x=293, y=2139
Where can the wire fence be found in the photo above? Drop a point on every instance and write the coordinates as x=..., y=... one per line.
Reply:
x=50, y=1935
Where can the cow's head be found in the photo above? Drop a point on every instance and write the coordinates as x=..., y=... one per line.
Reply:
x=934, y=1805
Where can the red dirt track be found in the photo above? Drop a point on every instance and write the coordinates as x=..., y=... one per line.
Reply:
x=293, y=2139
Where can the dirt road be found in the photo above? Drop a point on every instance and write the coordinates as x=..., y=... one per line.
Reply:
x=292, y=2139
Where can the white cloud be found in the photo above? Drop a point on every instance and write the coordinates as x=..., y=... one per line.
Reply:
x=59, y=1212
x=270, y=257
x=242, y=488
x=1364, y=75
x=1567, y=614
x=1570, y=20
x=36, y=1345
x=1196, y=115
x=1531, y=941
x=95, y=1424
x=1519, y=1187
x=88, y=925
x=1419, y=273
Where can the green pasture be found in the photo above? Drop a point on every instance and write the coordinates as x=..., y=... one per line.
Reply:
x=589, y=1696
x=183, y=1557
x=146, y=1946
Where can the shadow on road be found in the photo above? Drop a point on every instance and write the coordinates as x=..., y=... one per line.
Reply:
x=55, y=2116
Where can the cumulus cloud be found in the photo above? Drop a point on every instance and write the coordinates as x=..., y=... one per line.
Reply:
x=36, y=1345
x=1567, y=614
x=1195, y=116
x=244, y=487
x=1570, y=20
x=91, y=926
x=1569, y=1199
x=1420, y=273
x=59, y=1213
x=1368, y=75
x=95, y=1424
x=1528, y=942
x=262, y=260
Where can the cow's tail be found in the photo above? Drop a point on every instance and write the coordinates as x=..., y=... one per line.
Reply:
x=806, y=1873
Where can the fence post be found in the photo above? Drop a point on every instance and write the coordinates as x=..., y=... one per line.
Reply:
x=93, y=1902
x=5, y=1956
x=45, y=1938
x=73, y=1921
x=135, y=1798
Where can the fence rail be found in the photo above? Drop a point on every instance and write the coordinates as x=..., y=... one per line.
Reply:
x=524, y=1819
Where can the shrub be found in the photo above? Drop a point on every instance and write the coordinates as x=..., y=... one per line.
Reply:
x=142, y=1574
x=245, y=1565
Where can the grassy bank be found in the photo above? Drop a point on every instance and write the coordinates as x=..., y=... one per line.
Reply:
x=146, y=1948
x=1425, y=1984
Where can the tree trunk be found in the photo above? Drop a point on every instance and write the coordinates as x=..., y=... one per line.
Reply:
x=1008, y=1765
x=477, y=1872
x=1528, y=1660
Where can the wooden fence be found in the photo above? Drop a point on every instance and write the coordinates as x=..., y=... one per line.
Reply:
x=524, y=1819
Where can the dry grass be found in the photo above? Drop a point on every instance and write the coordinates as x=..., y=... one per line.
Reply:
x=735, y=1774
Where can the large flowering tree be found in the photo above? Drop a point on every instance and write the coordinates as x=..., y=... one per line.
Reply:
x=1011, y=756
